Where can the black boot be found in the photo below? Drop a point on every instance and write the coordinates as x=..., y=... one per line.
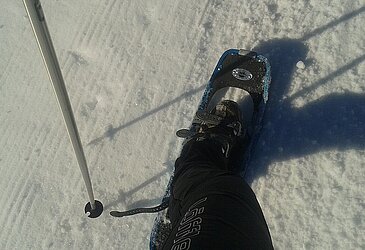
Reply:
x=222, y=124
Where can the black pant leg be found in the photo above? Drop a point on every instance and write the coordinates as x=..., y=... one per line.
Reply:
x=210, y=207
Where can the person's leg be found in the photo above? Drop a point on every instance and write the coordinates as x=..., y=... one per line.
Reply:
x=210, y=207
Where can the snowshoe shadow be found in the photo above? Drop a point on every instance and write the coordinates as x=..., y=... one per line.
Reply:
x=335, y=121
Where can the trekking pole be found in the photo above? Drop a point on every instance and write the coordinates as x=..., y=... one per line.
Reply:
x=38, y=22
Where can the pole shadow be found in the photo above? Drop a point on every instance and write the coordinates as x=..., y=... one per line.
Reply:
x=112, y=131
x=334, y=23
x=124, y=196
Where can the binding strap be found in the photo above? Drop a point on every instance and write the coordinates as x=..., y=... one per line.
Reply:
x=143, y=210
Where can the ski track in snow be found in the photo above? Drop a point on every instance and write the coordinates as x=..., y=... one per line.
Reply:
x=135, y=72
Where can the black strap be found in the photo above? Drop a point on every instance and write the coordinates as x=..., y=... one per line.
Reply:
x=156, y=209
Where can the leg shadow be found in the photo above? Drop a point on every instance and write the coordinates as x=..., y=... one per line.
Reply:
x=335, y=121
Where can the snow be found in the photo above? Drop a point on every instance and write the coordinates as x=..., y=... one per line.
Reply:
x=300, y=65
x=135, y=72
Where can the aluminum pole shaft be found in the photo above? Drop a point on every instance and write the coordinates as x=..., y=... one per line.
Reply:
x=39, y=25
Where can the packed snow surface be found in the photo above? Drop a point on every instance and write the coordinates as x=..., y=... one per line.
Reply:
x=135, y=72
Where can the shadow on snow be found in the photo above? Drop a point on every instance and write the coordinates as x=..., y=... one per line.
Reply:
x=335, y=121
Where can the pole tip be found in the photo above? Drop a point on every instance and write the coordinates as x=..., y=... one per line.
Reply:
x=94, y=213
